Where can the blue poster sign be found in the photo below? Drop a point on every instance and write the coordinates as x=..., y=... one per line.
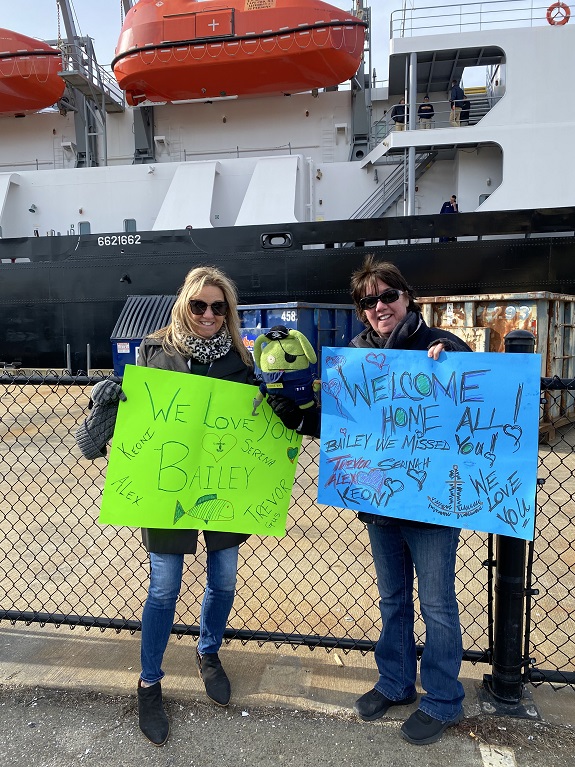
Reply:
x=452, y=442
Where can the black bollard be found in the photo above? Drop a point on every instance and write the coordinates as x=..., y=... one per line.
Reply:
x=520, y=342
x=506, y=680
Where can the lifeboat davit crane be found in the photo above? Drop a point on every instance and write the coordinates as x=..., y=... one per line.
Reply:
x=182, y=50
x=29, y=79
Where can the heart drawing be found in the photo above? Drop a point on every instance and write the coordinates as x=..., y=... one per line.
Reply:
x=394, y=486
x=332, y=388
x=374, y=478
x=335, y=362
x=292, y=453
x=376, y=359
x=418, y=476
x=218, y=445
x=515, y=432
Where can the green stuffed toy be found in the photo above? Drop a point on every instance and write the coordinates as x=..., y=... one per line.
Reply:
x=285, y=364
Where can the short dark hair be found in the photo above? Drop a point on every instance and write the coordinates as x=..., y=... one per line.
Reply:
x=365, y=279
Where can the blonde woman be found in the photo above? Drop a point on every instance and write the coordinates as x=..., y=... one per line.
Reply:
x=203, y=338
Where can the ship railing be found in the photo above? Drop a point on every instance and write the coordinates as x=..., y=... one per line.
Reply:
x=441, y=118
x=375, y=82
x=465, y=17
x=79, y=59
x=388, y=192
x=244, y=151
x=494, y=88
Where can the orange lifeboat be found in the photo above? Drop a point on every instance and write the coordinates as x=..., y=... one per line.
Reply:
x=181, y=50
x=29, y=78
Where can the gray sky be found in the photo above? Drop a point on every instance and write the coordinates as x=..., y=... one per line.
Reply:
x=101, y=20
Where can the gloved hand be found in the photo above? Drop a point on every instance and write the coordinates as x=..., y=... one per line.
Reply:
x=98, y=427
x=286, y=409
x=107, y=393
x=304, y=421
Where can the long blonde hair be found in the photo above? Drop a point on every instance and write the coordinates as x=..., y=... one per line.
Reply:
x=194, y=283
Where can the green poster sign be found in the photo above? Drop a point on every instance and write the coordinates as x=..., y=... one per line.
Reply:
x=188, y=453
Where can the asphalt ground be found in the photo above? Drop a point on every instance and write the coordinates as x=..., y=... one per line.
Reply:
x=68, y=698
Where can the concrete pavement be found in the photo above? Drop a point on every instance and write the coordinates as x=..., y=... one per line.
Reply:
x=68, y=697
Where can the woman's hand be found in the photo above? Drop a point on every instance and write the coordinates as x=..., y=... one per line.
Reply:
x=445, y=345
x=435, y=351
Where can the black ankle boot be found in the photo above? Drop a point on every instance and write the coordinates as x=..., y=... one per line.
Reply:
x=214, y=677
x=151, y=715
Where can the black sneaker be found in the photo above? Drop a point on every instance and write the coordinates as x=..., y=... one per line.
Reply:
x=421, y=729
x=151, y=715
x=374, y=704
x=214, y=677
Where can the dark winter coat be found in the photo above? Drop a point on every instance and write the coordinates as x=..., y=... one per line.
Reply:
x=399, y=113
x=457, y=96
x=426, y=111
x=228, y=368
x=449, y=207
x=413, y=335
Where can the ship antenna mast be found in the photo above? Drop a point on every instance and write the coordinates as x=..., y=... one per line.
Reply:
x=406, y=5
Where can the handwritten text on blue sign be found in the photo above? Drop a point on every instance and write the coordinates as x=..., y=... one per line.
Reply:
x=452, y=442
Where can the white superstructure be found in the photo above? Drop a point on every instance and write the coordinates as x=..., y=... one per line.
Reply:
x=305, y=157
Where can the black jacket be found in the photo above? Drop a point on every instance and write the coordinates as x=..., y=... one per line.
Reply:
x=419, y=340
x=399, y=113
x=449, y=207
x=229, y=368
x=457, y=96
x=426, y=110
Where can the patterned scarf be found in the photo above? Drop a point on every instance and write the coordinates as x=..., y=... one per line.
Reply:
x=206, y=350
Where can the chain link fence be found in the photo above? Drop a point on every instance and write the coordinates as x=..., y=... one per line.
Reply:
x=550, y=644
x=316, y=586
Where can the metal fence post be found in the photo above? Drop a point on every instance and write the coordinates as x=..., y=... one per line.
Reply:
x=506, y=680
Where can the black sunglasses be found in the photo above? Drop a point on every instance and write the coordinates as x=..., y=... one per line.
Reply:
x=219, y=308
x=388, y=296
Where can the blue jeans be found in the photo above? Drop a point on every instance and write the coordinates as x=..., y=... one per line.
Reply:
x=397, y=548
x=160, y=607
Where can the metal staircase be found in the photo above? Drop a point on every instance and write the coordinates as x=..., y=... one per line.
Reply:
x=82, y=72
x=392, y=188
x=480, y=106
x=91, y=93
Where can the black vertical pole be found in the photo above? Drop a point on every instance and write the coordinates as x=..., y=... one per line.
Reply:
x=506, y=682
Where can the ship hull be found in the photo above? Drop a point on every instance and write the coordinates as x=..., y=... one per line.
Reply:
x=72, y=289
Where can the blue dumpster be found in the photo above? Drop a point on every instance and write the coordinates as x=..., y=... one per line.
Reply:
x=140, y=316
x=321, y=324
